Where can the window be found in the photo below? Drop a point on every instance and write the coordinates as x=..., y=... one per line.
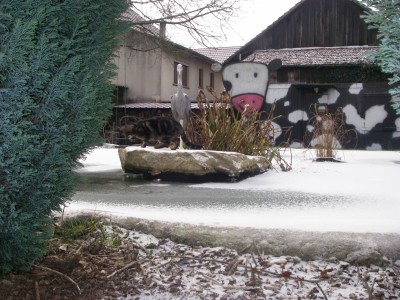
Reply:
x=201, y=78
x=185, y=73
x=119, y=94
x=212, y=80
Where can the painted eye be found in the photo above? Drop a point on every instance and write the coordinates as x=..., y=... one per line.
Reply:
x=255, y=75
x=237, y=75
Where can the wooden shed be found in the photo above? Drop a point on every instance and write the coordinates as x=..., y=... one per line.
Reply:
x=313, y=23
x=324, y=46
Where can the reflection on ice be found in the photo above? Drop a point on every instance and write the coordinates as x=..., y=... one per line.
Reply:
x=176, y=202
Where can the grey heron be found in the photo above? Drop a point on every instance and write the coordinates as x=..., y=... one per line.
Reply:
x=180, y=102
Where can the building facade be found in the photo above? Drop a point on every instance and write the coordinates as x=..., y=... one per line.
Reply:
x=324, y=46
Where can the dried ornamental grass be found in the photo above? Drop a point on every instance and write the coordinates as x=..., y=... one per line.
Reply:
x=221, y=128
x=329, y=132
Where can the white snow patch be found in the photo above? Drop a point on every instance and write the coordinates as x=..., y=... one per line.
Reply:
x=375, y=147
x=94, y=160
x=200, y=273
x=201, y=157
x=364, y=180
x=150, y=184
x=297, y=145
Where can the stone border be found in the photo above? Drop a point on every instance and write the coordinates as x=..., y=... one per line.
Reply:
x=355, y=248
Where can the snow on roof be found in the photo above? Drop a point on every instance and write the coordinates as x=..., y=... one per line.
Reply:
x=156, y=105
x=159, y=105
x=316, y=56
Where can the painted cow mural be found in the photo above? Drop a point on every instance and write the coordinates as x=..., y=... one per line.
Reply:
x=247, y=83
x=366, y=106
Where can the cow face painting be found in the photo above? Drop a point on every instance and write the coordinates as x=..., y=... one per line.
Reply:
x=247, y=83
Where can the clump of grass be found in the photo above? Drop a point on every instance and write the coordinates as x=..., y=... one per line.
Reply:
x=329, y=132
x=219, y=127
x=88, y=226
x=78, y=227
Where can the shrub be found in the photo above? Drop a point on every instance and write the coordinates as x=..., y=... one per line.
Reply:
x=328, y=133
x=54, y=98
x=221, y=128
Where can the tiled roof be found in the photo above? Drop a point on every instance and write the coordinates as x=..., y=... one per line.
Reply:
x=156, y=105
x=324, y=56
x=219, y=54
x=136, y=18
x=276, y=22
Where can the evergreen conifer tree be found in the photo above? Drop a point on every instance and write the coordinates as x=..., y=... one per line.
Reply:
x=385, y=18
x=55, y=66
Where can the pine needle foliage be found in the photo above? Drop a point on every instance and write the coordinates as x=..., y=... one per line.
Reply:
x=55, y=65
x=384, y=16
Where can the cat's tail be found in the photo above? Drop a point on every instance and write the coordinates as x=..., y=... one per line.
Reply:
x=189, y=143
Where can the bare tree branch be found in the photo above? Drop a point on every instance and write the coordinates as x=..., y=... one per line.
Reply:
x=205, y=20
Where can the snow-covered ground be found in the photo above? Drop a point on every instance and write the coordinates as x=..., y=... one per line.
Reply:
x=362, y=193
x=176, y=271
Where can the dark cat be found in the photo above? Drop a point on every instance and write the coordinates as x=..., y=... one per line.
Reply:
x=162, y=130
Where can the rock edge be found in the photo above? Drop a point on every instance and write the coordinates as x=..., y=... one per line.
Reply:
x=191, y=165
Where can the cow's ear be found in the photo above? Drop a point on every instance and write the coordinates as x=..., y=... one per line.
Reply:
x=275, y=64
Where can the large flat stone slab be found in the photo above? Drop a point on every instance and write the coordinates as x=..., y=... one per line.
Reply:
x=190, y=165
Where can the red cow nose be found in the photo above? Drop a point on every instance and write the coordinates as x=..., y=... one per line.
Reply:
x=252, y=101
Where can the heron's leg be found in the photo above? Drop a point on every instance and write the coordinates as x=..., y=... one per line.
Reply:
x=181, y=144
x=184, y=123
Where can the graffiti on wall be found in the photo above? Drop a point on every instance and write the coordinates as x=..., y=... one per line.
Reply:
x=247, y=83
x=366, y=107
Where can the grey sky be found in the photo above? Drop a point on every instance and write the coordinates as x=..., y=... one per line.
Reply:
x=257, y=15
x=253, y=17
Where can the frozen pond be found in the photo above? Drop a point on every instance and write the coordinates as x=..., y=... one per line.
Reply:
x=265, y=201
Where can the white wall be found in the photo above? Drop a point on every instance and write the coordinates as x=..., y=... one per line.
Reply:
x=194, y=64
x=141, y=73
x=149, y=75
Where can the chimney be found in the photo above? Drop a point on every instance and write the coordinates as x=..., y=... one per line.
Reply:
x=163, y=30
